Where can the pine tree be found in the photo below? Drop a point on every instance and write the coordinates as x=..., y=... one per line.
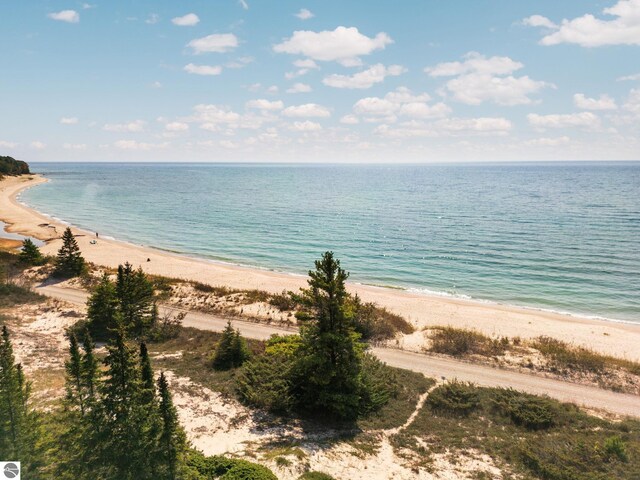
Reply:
x=172, y=438
x=102, y=307
x=18, y=424
x=30, y=254
x=231, y=351
x=90, y=368
x=330, y=365
x=146, y=375
x=136, y=303
x=69, y=262
x=128, y=429
x=73, y=367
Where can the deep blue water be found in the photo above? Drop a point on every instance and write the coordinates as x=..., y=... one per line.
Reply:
x=564, y=237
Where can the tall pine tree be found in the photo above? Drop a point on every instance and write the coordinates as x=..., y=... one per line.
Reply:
x=76, y=392
x=69, y=262
x=330, y=364
x=173, y=443
x=18, y=423
x=136, y=300
x=30, y=254
x=102, y=307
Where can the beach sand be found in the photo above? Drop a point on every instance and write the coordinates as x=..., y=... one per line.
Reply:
x=613, y=338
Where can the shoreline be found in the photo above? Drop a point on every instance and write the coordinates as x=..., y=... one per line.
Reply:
x=610, y=336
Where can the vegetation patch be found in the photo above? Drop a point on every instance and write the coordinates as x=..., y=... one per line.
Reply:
x=458, y=342
x=530, y=436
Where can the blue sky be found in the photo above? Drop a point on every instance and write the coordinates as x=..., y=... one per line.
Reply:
x=320, y=81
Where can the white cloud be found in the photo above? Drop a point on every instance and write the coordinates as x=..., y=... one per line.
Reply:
x=133, y=145
x=590, y=31
x=605, y=102
x=188, y=20
x=299, y=88
x=37, y=145
x=548, y=142
x=203, y=69
x=243, y=4
x=626, y=78
x=305, y=63
x=423, y=110
x=482, y=124
x=69, y=16
x=5, y=144
x=132, y=127
x=156, y=84
x=218, y=43
x=475, y=63
x=480, y=79
x=228, y=144
x=306, y=126
x=74, y=146
x=263, y=104
x=214, y=114
x=342, y=44
x=152, y=19
x=539, y=21
x=176, y=127
x=582, y=119
x=87, y=6
x=273, y=89
x=447, y=127
x=365, y=79
x=349, y=120
x=633, y=102
x=304, y=14
x=68, y=120
x=307, y=110
x=400, y=102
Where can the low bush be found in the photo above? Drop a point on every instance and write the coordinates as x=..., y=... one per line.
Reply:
x=565, y=356
x=455, y=397
x=12, y=294
x=265, y=382
x=377, y=323
x=458, y=342
x=615, y=447
x=315, y=476
x=226, y=468
x=283, y=301
x=529, y=411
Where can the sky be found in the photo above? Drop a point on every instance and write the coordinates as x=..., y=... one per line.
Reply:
x=320, y=81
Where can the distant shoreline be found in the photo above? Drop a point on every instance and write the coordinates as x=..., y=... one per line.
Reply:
x=613, y=337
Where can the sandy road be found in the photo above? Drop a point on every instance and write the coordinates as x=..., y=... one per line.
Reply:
x=590, y=397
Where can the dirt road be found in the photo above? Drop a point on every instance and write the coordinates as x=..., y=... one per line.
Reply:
x=438, y=367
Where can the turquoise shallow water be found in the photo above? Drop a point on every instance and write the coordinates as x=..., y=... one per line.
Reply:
x=564, y=237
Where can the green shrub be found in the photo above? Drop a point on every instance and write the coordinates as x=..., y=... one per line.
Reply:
x=283, y=301
x=458, y=341
x=566, y=356
x=615, y=447
x=265, y=382
x=226, y=468
x=529, y=411
x=454, y=397
x=315, y=476
x=376, y=323
x=12, y=294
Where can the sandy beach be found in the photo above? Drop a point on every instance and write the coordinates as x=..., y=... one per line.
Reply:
x=618, y=339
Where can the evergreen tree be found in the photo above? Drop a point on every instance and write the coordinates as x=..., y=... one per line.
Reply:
x=18, y=424
x=69, y=262
x=73, y=367
x=90, y=368
x=172, y=437
x=135, y=300
x=231, y=351
x=102, y=307
x=128, y=424
x=30, y=254
x=146, y=375
x=330, y=364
